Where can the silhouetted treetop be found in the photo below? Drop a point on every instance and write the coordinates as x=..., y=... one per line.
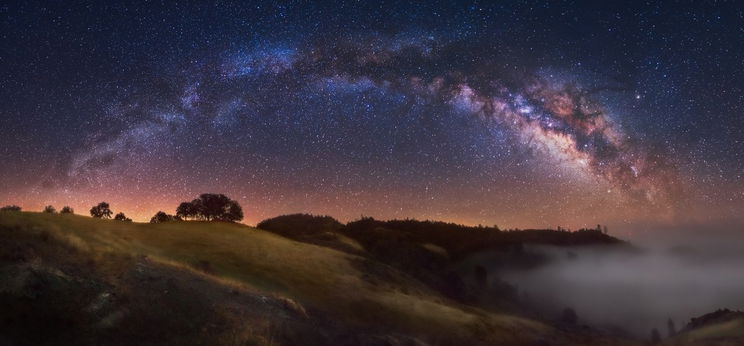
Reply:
x=67, y=210
x=50, y=209
x=10, y=208
x=122, y=217
x=569, y=316
x=211, y=207
x=102, y=210
x=188, y=210
x=163, y=217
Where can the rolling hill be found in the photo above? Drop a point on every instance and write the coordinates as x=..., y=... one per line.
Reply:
x=74, y=279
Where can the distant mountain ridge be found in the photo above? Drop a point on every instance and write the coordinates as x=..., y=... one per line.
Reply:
x=436, y=253
x=458, y=240
x=68, y=279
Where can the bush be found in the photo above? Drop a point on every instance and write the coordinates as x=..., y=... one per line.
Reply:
x=569, y=316
x=102, y=210
x=67, y=210
x=163, y=217
x=10, y=208
x=50, y=209
x=122, y=217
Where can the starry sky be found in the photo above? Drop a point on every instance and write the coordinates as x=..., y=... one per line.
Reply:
x=520, y=114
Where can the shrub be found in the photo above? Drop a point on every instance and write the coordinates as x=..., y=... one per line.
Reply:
x=211, y=207
x=163, y=217
x=67, y=210
x=122, y=217
x=102, y=210
x=569, y=316
x=10, y=208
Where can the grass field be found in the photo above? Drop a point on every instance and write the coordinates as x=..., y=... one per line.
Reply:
x=327, y=282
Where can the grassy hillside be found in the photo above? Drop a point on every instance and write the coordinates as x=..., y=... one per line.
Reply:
x=338, y=291
x=721, y=328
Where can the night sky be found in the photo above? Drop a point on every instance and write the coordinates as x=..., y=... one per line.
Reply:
x=521, y=114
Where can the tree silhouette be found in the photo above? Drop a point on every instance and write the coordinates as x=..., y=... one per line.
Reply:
x=67, y=210
x=301, y=225
x=122, y=217
x=10, y=208
x=569, y=316
x=671, y=328
x=102, y=210
x=188, y=210
x=655, y=336
x=50, y=209
x=163, y=217
x=211, y=207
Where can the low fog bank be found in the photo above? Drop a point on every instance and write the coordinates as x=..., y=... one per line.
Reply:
x=638, y=289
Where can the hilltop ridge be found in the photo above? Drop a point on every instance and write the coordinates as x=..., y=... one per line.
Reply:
x=130, y=272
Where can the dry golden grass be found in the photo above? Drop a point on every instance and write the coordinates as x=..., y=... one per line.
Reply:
x=317, y=277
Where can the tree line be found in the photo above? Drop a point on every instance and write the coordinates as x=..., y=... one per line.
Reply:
x=206, y=207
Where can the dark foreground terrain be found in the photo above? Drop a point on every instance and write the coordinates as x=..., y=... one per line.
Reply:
x=71, y=280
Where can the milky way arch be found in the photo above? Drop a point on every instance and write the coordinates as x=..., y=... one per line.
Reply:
x=553, y=117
